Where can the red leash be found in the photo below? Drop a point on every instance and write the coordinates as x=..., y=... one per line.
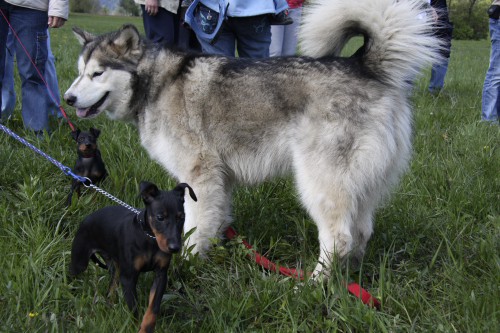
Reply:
x=352, y=287
x=52, y=96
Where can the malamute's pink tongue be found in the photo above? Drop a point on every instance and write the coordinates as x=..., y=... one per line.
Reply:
x=82, y=113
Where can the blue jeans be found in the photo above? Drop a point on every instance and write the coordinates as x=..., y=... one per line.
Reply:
x=31, y=28
x=284, y=37
x=438, y=73
x=8, y=89
x=250, y=36
x=490, y=110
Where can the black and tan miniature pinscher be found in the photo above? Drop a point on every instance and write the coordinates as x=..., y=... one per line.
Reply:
x=89, y=162
x=133, y=243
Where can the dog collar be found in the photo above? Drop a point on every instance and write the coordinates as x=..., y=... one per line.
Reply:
x=141, y=217
x=89, y=155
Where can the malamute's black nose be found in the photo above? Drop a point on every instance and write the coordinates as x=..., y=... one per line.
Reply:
x=70, y=99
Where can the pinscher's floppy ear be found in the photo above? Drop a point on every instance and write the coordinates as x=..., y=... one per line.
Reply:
x=95, y=132
x=149, y=192
x=75, y=134
x=181, y=189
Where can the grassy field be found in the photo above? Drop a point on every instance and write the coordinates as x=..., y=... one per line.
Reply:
x=433, y=260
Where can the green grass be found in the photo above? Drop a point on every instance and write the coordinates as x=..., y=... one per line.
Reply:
x=433, y=260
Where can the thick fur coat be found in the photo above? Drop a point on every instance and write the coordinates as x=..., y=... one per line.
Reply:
x=341, y=126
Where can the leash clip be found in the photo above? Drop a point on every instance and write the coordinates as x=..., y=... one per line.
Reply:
x=87, y=182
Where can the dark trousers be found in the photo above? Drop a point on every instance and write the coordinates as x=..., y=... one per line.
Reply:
x=163, y=28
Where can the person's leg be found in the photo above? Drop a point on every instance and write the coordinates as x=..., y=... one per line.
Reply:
x=188, y=40
x=53, y=96
x=4, y=28
x=8, y=89
x=290, y=33
x=491, y=89
x=253, y=36
x=277, y=36
x=184, y=37
x=31, y=28
x=438, y=74
x=224, y=45
x=162, y=28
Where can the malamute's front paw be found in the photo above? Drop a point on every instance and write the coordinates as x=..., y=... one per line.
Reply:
x=196, y=246
x=321, y=273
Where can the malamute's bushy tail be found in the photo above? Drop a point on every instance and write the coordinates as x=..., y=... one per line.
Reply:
x=398, y=39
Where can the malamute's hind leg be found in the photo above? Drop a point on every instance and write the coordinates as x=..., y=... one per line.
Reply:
x=362, y=230
x=344, y=220
x=329, y=188
x=344, y=244
x=331, y=208
x=332, y=211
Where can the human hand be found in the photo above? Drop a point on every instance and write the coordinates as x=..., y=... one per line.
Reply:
x=151, y=7
x=56, y=22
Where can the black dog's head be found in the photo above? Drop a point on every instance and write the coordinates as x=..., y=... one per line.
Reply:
x=86, y=141
x=165, y=214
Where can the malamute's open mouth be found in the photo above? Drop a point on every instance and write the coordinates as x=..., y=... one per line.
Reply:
x=93, y=110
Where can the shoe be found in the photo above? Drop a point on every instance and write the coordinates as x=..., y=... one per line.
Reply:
x=435, y=91
x=5, y=116
x=281, y=18
x=38, y=134
x=493, y=122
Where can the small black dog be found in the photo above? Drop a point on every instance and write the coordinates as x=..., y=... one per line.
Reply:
x=131, y=244
x=89, y=162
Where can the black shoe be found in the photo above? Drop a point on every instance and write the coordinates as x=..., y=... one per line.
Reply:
x=38, y=134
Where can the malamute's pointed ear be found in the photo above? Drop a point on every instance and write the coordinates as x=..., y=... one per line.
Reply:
x=83, y=36
x=128, y=38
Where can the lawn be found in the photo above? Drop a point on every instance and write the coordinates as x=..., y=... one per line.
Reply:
x=433, y=260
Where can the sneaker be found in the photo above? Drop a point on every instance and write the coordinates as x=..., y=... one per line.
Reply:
x=435, y=91
x=281, y=18
x=38, y=134
x=4, y=118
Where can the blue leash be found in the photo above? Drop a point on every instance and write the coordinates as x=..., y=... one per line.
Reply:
x=67, y=171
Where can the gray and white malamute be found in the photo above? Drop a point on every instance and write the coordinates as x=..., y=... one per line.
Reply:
x=342, y=126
